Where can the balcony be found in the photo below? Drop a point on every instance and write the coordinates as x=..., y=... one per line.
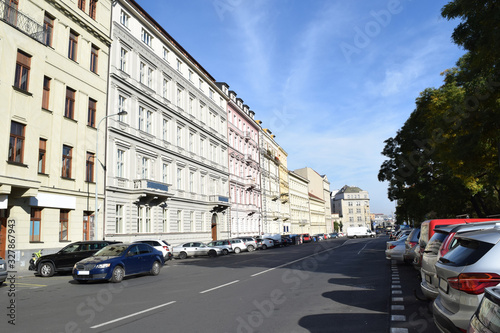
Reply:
x=221, y=203
x=247, y=135
x=151, y=192
x=12, y=16
x=249, y=158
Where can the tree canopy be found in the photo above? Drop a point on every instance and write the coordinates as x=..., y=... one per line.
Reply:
x=445, y=160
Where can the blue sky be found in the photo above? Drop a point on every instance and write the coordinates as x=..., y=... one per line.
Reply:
x=332, y=79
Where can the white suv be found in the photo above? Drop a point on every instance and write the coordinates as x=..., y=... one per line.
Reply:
x=238, y=245
x=160, y=245
x=250, y=242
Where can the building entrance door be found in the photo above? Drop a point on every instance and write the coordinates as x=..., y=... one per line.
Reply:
x=214, y=227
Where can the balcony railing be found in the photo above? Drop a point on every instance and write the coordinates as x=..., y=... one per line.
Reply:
x=150, y=185
x=219, y=199
x=12, y=16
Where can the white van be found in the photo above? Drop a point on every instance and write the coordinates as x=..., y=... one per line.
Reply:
x=355, y=232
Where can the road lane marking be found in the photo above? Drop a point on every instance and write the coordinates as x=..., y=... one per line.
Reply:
x=30, y=284
x=294, y=261
x=133, y=314
x=221, y=286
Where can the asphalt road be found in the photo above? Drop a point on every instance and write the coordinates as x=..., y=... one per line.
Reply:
x=337, y=285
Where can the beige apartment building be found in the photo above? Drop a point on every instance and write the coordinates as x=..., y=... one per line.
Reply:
x=353, y=206
x=300, y=215
x=53, y=83
x=284, y=191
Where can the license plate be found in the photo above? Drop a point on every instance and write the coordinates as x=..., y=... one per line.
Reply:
x=443, y=285
x=428, y=279
x=83, y=273
x=2, y=266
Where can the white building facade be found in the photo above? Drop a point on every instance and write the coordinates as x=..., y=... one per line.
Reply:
x=167, y=171
x=300, y=217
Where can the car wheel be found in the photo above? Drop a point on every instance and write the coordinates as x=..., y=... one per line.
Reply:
x=212, y=253
x=251, y=248
x=155, y=269
x=264, y=246
x=117, y=275
x=225, y=252
x=183, y=255
x=237, y=250
x=46, y=269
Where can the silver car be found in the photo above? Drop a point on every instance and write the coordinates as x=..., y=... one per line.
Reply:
x=487, y=317
x=410, y=244
x=194, y=249
x=224, y=245
x=463, y=274
x=238, y=245
x=443, y=240
x=250, y=242
x=396, y=249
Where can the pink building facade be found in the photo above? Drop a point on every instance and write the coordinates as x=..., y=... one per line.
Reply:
x=244, y=170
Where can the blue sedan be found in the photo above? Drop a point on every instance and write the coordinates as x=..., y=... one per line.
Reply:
x=116, y=261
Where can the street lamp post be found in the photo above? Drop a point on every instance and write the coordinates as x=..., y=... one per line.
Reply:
x=96, y=214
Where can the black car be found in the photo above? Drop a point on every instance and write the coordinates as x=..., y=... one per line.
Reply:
x=67, y=257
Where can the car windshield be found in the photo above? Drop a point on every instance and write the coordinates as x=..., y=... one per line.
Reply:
x=112, y=250
x=70, y=248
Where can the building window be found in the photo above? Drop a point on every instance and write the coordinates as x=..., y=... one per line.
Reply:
x=48, y=29
x=42, y=151
x=16, y=143
x=191, y=142
x=165, y=89
x=121, y=107
x=148, y=220
x=179, y=178
x=140, y=211
x=202, y=185
x=10, y=14
x=165, y=54
x=191, y=180
x=146, y=37
x=179, y=65
x=211, y=94
x=145, y=168
x=142, y=72
x=66, y=161
x=124, y=18
x=165, y=130
x=190, y=75
x=150, y=77
x=165, y=220
x=73, y=45
x=179, y=98
x=120, y=160
x=92, y=112
x=179, y=220
x=23, y=65
x=89, y=167
x=94, y=54
x=35, y=224
x=123, y=59
x=63, y=224
x=119, y=219
x=141, y=119
x=164, y=177
x=46, y=92
x=69, y=108
x=93, y=9
x=149, y=122
x=179, y=136
x=81, y=4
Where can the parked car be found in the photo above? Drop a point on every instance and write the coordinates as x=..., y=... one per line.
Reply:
x=194, y=249
x=286, y=240
x=266, y=243
x=224, y=245
x=160, y=245
x=427, y=228
x=250, y=242
x=410, y=244
x=487, y=316
x=440, y=243
x=238, y=245
x=395, y=249
x=334, y=235
x=116, y=261
x=355, y=232
x=64, y=259
x=463, y=274
x=3, y=270
x=306, y=238
x=319, y=237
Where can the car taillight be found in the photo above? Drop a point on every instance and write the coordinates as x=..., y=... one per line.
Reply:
x=391, y=246
x=413, y=244
x=445, y=247
x=474, y=283
x=165, y=247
